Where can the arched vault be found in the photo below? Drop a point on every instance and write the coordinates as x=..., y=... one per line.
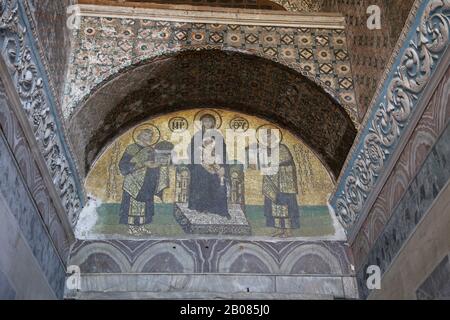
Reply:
x=213, y=78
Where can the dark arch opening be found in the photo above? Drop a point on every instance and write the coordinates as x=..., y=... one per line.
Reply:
x=213, y=79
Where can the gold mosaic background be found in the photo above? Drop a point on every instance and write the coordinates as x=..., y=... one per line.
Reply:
x=104, y=182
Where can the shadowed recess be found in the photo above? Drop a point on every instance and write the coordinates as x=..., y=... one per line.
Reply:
x=213, y=79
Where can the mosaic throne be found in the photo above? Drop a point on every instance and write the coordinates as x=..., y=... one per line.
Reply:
x=194, y=222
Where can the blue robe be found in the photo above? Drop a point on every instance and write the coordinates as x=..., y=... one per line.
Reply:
x=205, y=192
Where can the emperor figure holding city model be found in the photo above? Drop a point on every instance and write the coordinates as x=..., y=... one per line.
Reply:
x=144, y=178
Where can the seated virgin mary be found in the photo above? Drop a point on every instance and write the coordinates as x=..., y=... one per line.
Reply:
x=209, y=182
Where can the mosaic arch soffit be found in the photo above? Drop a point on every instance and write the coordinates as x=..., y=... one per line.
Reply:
x=213, y=79
x=106, y=47
x=76, y=101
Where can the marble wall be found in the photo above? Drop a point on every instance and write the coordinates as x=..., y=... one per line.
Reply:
x=437, y=285
x=34, y=244
x=414, y=265
x=7, y=291
x=411, y=209
x=426, y=133
x=186, y=268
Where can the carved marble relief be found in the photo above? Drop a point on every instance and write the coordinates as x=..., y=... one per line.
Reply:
x=32, y=90
x=396, y=104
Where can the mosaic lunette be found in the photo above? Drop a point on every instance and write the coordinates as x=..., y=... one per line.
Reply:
x=163, y=199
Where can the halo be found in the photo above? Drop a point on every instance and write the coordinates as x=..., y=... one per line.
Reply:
x=147, y=126
x=271, y=127
x=205, y=112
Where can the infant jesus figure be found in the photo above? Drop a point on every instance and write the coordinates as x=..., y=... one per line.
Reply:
x=212, y=162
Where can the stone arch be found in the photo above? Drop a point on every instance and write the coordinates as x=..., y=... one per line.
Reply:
x=253, y=252
x=173, y=250
x=311, y=253
x=99, y=251
x=89, y=88
x=213, y=79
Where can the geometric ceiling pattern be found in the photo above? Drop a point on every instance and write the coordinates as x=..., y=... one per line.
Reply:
x=104, y=46
x=212, y=78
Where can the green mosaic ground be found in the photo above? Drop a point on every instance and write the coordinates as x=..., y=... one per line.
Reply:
x=315, y=221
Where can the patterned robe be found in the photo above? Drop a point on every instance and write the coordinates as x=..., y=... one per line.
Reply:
x=140, y=185
x=280, y=194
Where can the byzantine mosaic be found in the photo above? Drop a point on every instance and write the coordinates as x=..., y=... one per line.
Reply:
x=300, y=5
x=235, y=197
x=105, y=46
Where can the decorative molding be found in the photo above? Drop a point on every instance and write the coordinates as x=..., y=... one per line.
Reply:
x=217, y=256
x=382, y=81
x=32, y=88
x=411, y=210
x=425, y=134
x=218, y=16
x=26, y=150
x=424, y=47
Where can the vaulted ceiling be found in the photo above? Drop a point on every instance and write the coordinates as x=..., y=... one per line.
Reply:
x=213, y=78
x=370, y=50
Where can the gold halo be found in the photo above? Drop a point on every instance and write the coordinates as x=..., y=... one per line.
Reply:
x=211, y=112
x=269, y=126
x=147, y=126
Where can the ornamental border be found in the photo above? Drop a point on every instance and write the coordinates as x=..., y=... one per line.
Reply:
x=415, y=64
x=35, y=93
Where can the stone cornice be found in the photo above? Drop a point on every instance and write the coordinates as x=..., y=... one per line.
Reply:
x=30, y=138
x=219, y=16
x=28, y=75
